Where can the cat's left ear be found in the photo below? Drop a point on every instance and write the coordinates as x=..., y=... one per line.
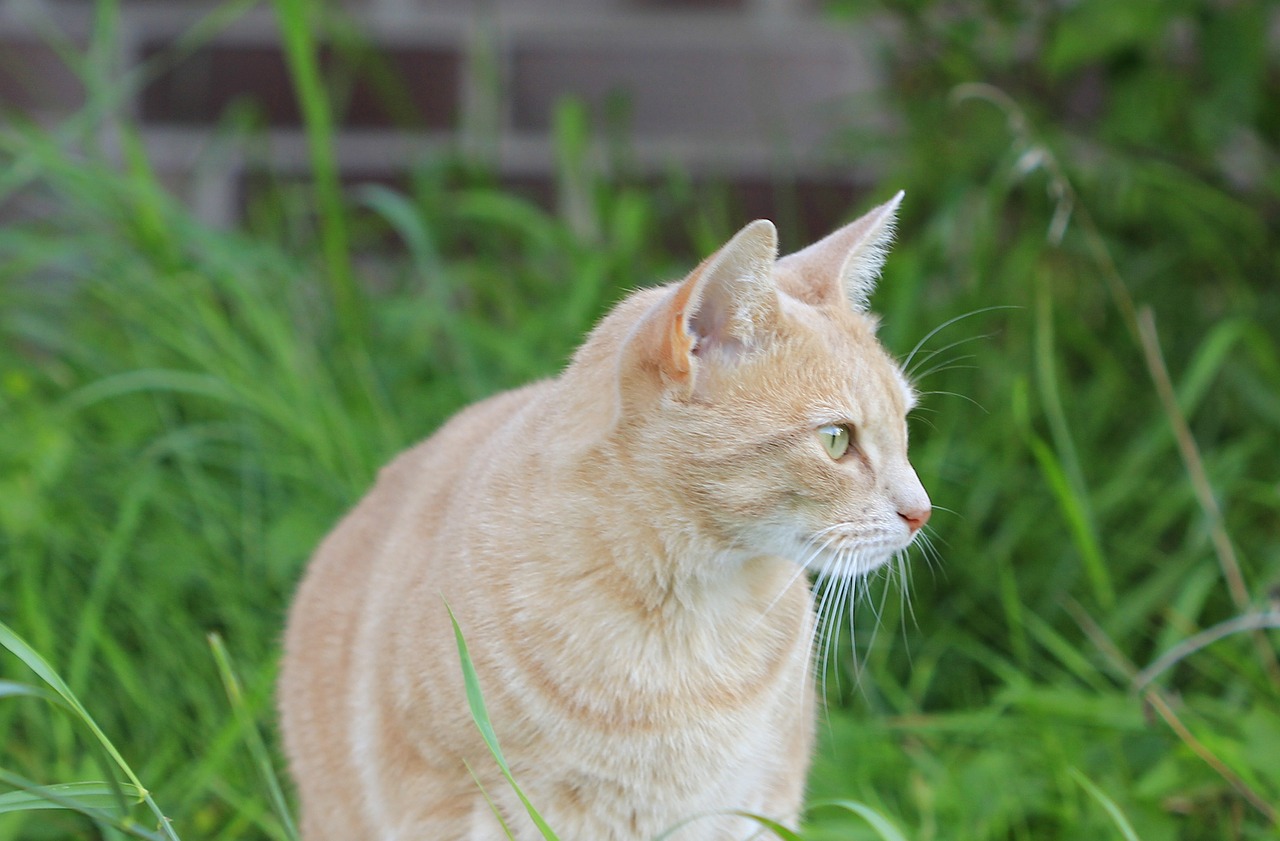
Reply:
x=730, y=302
x=845, y=264
x=725, y=309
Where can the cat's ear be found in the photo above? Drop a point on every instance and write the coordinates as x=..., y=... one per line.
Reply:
x=731, y=302
x=724, y=309
x=845, y=264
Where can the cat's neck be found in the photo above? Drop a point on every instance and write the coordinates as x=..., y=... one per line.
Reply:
x=605, y=524
x=662, y=563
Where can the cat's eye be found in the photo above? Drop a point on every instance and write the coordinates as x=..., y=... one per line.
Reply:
x=836, y=439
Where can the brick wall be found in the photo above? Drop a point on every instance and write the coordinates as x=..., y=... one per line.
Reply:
x=741, y=91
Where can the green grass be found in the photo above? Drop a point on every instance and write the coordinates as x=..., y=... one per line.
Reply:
x=185, y=411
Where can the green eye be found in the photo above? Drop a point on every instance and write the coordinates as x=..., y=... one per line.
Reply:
x=835, y=439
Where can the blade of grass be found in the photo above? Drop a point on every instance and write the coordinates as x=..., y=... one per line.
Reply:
x=1074, y=493
x=12, y=689
x=773, y=826
x=1117, y=817
x=41, y=667
x=1249, y=622
x=98, y=796
x=1158, y=701
x=882, y=825
x=297, y=27
x=1070, y=501
x=257, y=747
x=493, y=807
x=1194, y=465
x=70, y=796
x=481, y=717
x=402, y=216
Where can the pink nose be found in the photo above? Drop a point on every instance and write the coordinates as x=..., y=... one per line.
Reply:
x=917, y=518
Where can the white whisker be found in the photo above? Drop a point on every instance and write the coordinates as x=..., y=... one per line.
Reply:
x=949, y=365
x=911, y=372
x=955, y=394
x=944, y=325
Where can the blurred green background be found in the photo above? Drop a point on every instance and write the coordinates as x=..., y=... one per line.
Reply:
x=1087, y=257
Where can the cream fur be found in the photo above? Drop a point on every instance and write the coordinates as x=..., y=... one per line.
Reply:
x=623, y=548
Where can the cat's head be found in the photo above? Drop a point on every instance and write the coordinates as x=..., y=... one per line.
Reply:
x=756, y=395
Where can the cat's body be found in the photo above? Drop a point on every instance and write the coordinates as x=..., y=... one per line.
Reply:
x=622, y=547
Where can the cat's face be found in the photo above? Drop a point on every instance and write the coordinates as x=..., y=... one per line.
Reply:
x=803, y=450
x=779, y=420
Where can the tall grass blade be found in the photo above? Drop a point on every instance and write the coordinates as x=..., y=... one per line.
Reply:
x=297, y=29
x=257, y=747
x=1194, y=464
x=773, y=826
x=1117, y=816
x=88, y=799
x=97, y=796
x=493, y=807
x=1070, y=502
x=882, y=825
x=481, y=717
x=41, y=667
x=1072, y=491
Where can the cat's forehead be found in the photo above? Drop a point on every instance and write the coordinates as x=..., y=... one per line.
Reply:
x=852, y=363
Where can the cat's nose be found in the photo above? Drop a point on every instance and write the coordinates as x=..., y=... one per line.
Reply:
x=916, y=517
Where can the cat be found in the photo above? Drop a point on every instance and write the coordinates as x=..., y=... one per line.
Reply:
x=623, y=546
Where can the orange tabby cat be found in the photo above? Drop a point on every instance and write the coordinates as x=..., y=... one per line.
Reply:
x=623, y=546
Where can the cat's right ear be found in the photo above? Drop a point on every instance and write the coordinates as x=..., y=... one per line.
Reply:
x=726, y=308
x=846, y=264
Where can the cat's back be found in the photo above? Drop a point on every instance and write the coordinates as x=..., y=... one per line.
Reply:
x=430, y=470
x=322, y=633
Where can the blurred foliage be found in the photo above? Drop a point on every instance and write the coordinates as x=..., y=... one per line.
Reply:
x=184, y=412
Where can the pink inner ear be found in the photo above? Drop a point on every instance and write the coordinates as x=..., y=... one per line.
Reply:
x=712, y=324
x=722, y=308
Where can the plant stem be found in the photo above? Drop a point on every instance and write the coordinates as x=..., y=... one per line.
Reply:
x=301, y=53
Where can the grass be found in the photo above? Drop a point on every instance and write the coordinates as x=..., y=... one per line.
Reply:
x=184, y=411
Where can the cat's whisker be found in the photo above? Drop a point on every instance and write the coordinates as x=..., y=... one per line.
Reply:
x=835, y=595
x=955, y=394
x=944, y=325
x=928, y=422
x=858, y=591
x=926, y=536
x=928, y=552
x=824, y=613
x=813, y=551
x=911, y=372
x=825, y=572
x=949, y=365
x=854, y=583
x=924, y=367
x=877, y=610
x=929, y=540
x=907, y=607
